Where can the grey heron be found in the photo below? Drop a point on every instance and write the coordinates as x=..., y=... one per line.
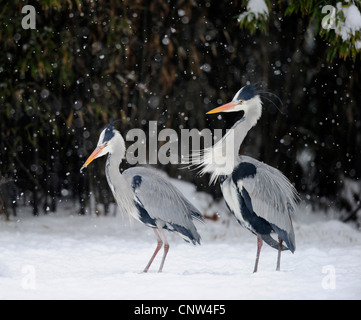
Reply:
x=145, y=195
x=260, y=197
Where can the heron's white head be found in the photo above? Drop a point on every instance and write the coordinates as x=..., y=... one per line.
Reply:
x=248, y=100
x=110, y=141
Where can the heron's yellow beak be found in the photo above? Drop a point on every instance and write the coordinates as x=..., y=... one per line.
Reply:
x=225, y=108
x=93, y=156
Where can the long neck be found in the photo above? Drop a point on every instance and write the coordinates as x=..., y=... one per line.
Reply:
x=120, y=187
x=231, y=142
x=223, y=156
x=115, y=180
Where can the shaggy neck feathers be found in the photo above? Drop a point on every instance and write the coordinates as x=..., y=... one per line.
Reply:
x=222, y=158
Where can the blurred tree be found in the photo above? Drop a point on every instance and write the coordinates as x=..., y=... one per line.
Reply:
x=89, y=62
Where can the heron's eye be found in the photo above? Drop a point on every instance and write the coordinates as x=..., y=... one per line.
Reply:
x=106, y=143
x=240, y=101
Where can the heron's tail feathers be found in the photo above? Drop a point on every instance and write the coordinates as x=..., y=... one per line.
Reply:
x=272, y=242
x=195, y=215
x=189, y=235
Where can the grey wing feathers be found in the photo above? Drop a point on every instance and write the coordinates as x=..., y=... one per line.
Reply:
x=273, y=196
x=162, y=200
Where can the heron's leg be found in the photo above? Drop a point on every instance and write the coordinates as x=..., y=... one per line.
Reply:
x=279, y=254
x=159, y=245
x=259, y=246
x=166, y=248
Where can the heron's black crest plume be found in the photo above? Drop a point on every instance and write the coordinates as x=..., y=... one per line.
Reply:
x=109, y=130
x=247, y=93
x=274, y=95
x=251, y=90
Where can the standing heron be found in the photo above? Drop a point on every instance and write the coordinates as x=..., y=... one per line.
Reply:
x=145, y=195
x=260, y=197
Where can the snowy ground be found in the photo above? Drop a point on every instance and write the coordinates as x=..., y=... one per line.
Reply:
x=65, y=256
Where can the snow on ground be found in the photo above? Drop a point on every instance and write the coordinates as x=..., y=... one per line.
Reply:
x=65, y=256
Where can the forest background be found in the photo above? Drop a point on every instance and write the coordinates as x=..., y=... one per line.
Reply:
x=87, y=63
